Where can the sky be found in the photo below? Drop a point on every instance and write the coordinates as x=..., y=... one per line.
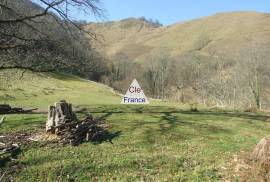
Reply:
x=172, y=11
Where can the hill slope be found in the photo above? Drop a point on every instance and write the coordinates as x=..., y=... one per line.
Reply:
x=31, y=89
x=211, y=60
x=45, y=42
x=24, y=88
x=209, y=35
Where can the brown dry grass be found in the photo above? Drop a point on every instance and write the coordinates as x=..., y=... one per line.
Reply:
x=43, y=136
x=247, y=167
x=223, y=31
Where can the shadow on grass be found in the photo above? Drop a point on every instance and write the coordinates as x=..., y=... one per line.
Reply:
x=63, y=77
x=5, y=158
x=119, y=109
x=25, y=122
x=167, y=120
x=173, y=121
x=107, y=137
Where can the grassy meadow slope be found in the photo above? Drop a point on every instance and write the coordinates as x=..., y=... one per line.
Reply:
x=155, y=142
x=31, y=89
x=206, y=36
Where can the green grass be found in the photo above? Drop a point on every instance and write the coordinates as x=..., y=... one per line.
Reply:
x=155, y=143
x=43, y=89
x=158, y=142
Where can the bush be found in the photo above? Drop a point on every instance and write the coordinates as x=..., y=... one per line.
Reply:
x=251, y=109
x=194, y=107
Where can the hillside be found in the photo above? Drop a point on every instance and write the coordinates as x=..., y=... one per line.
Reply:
x=215, y=60
x=38, y=39
x=207, y=81
x=224, y=31
x=220, y=60
x=25, y=88
x=33, y=89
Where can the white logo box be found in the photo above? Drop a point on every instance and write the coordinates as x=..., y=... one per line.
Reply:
x=134, y=94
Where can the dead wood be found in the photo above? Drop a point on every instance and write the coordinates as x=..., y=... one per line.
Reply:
x=7, y=109
x=62, y=121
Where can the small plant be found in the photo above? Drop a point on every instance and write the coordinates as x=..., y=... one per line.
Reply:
x=194, y=107
x=251, y=109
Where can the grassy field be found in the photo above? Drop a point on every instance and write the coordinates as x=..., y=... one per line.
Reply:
x=158, y=142
x=42, y=89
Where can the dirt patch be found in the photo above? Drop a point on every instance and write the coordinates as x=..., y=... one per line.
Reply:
x=11, y=145
x=16, y=137
x=44, y=137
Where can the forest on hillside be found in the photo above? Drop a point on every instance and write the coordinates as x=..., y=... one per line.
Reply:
x=240, y=82
x=197, y=92
x=218, y=61
x=45, y=39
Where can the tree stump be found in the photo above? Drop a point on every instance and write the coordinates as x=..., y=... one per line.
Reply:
x=58, y=115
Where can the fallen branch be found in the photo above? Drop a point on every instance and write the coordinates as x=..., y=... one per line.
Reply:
x=76, y=132
x=8, y=148
x=2, y=176
x=7, y=109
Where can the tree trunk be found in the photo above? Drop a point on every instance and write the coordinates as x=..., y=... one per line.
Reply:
x=58, y=115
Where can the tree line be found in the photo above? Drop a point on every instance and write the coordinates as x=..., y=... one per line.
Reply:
x=240, y=81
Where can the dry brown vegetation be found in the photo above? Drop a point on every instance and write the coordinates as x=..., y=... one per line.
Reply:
x=46, y=39
x=219, y=60
x=250, y=166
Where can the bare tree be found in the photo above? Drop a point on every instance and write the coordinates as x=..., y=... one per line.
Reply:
x=14, y=16
x=256, y=70
x=43, y=37
x=156, y=73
